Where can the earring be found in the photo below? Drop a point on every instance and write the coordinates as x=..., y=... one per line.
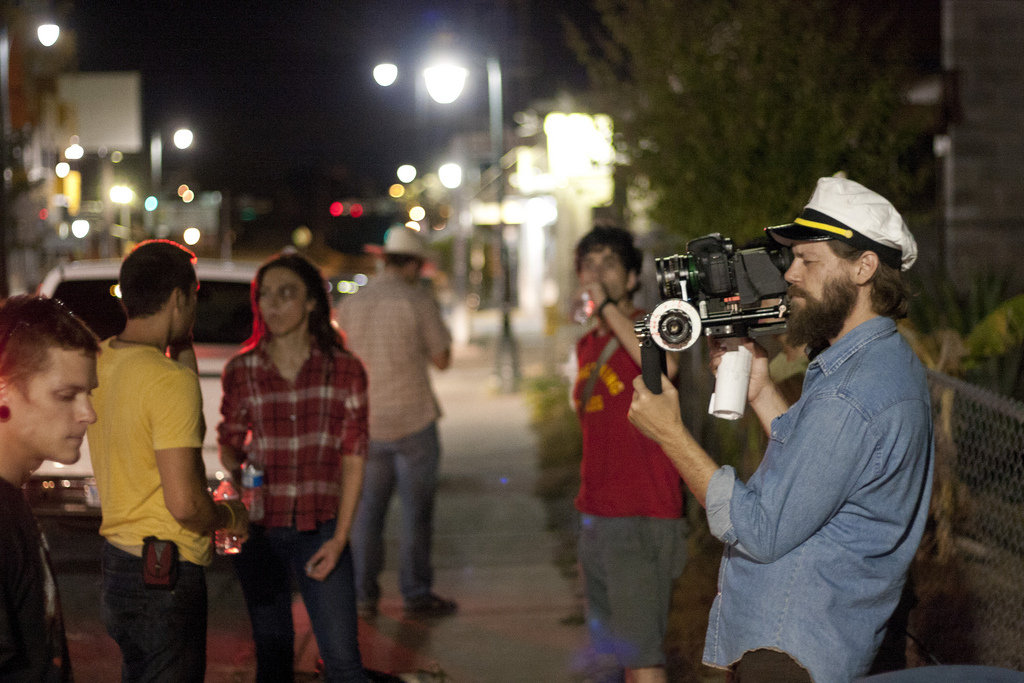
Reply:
x=5, y=413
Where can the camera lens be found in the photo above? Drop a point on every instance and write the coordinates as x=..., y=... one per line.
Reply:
x=674, y=327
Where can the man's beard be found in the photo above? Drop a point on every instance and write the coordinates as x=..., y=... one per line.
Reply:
x=816, y=321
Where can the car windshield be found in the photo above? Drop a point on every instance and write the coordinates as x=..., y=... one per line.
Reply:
x=223, y=315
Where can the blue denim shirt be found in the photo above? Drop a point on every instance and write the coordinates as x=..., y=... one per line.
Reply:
x=819, y=540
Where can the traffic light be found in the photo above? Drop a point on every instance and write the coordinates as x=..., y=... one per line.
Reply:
x=354, y=224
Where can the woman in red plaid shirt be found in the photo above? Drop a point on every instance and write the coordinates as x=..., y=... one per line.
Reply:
x=295, y=405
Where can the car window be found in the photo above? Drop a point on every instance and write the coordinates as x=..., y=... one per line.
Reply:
x=223, y=315
x=95, y=302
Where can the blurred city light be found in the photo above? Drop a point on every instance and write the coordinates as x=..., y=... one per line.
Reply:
x=48, y=34
x=182, y=189
x=385, y=74
x=361, y=279
x=188, y=196
x=397, y=190
x=151, y=203
x=406, y=173
x=336, y=209
x=121, y=194
x=80, y=228
x=191, y=236
x=182, y=138
x=302, y=237
x=417, y=213
x=450, y=175
x=413, y=225
x=356, y=210
x=445, y=81
x=62, y=169
x=116, y=157
x=74, y=151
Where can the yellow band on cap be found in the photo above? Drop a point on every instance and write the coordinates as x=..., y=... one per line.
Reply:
x=824, y=226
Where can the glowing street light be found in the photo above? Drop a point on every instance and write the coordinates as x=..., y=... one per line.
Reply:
x=48, y=34
x=123, y=195
x=445, y=81
x=385, y=74
x=182, y=139
x=450, y=175
x=406, y=173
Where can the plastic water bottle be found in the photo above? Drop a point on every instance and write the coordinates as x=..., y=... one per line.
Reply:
x=225, y=542
x=581, y=308
x=252, y=490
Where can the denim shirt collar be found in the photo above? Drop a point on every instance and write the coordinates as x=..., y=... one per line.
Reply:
x=833, y=357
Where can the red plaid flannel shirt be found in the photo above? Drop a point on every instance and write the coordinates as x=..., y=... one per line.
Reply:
x=297, y=431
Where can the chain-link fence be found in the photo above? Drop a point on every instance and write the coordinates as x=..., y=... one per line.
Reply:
x=978, y=509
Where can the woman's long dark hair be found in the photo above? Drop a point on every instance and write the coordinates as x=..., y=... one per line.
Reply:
x=325, y=335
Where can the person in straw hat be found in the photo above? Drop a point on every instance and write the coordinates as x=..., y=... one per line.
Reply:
x=395, y=327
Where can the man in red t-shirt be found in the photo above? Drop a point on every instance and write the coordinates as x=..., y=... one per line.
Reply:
x=633, y=536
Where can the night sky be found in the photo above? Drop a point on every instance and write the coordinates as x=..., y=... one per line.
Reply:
x=275, y=89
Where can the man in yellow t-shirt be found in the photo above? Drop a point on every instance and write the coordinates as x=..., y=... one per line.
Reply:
x=146, y=453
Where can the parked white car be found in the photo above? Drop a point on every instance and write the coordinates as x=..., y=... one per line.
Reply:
x=223, y=322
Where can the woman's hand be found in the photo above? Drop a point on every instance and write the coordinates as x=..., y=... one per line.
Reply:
x=324, y=560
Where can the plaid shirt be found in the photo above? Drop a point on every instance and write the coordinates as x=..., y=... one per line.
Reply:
x=395, y=328
x=298, y=431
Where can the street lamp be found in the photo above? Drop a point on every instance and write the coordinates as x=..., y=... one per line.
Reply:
x=182, y=139
x=47, y=37
x=445, y=81
x=123, y=195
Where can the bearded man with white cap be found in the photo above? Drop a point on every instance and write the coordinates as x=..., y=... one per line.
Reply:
x=394, y=326
x=819, y=540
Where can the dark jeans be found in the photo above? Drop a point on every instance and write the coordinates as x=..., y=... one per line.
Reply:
x=768, y=666
x=268, y=562
x=161, y=633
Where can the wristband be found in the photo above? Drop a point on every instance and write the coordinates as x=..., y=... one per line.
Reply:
x=231, y=512
x=608, y=300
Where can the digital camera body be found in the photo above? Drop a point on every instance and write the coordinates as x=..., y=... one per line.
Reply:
x=717, y=290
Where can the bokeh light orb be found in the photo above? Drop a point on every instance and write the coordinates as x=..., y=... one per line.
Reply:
x=406, y=173
x=385, y=74
x=302, y=237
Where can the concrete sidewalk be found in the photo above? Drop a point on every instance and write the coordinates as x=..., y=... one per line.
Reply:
x=492, y=551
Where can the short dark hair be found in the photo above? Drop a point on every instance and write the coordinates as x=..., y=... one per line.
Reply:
x=325, y=335
x=619, y=240
x=150, y=274
x=890, y=295
x=32, y=325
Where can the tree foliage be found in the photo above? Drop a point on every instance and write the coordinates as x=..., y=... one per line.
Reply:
x=731, y=109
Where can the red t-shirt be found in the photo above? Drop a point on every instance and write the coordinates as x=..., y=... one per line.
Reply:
x=624, y=474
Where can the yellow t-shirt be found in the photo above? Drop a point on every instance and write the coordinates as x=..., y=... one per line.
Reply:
x=145, y=402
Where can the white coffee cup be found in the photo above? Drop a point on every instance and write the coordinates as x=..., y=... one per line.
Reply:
x=730, y=397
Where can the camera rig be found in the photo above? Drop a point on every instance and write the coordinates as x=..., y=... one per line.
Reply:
x=716, y=289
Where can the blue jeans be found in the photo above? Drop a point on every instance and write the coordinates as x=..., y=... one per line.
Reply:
x=410, y=463
x=161, y=633
x=265, y=567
